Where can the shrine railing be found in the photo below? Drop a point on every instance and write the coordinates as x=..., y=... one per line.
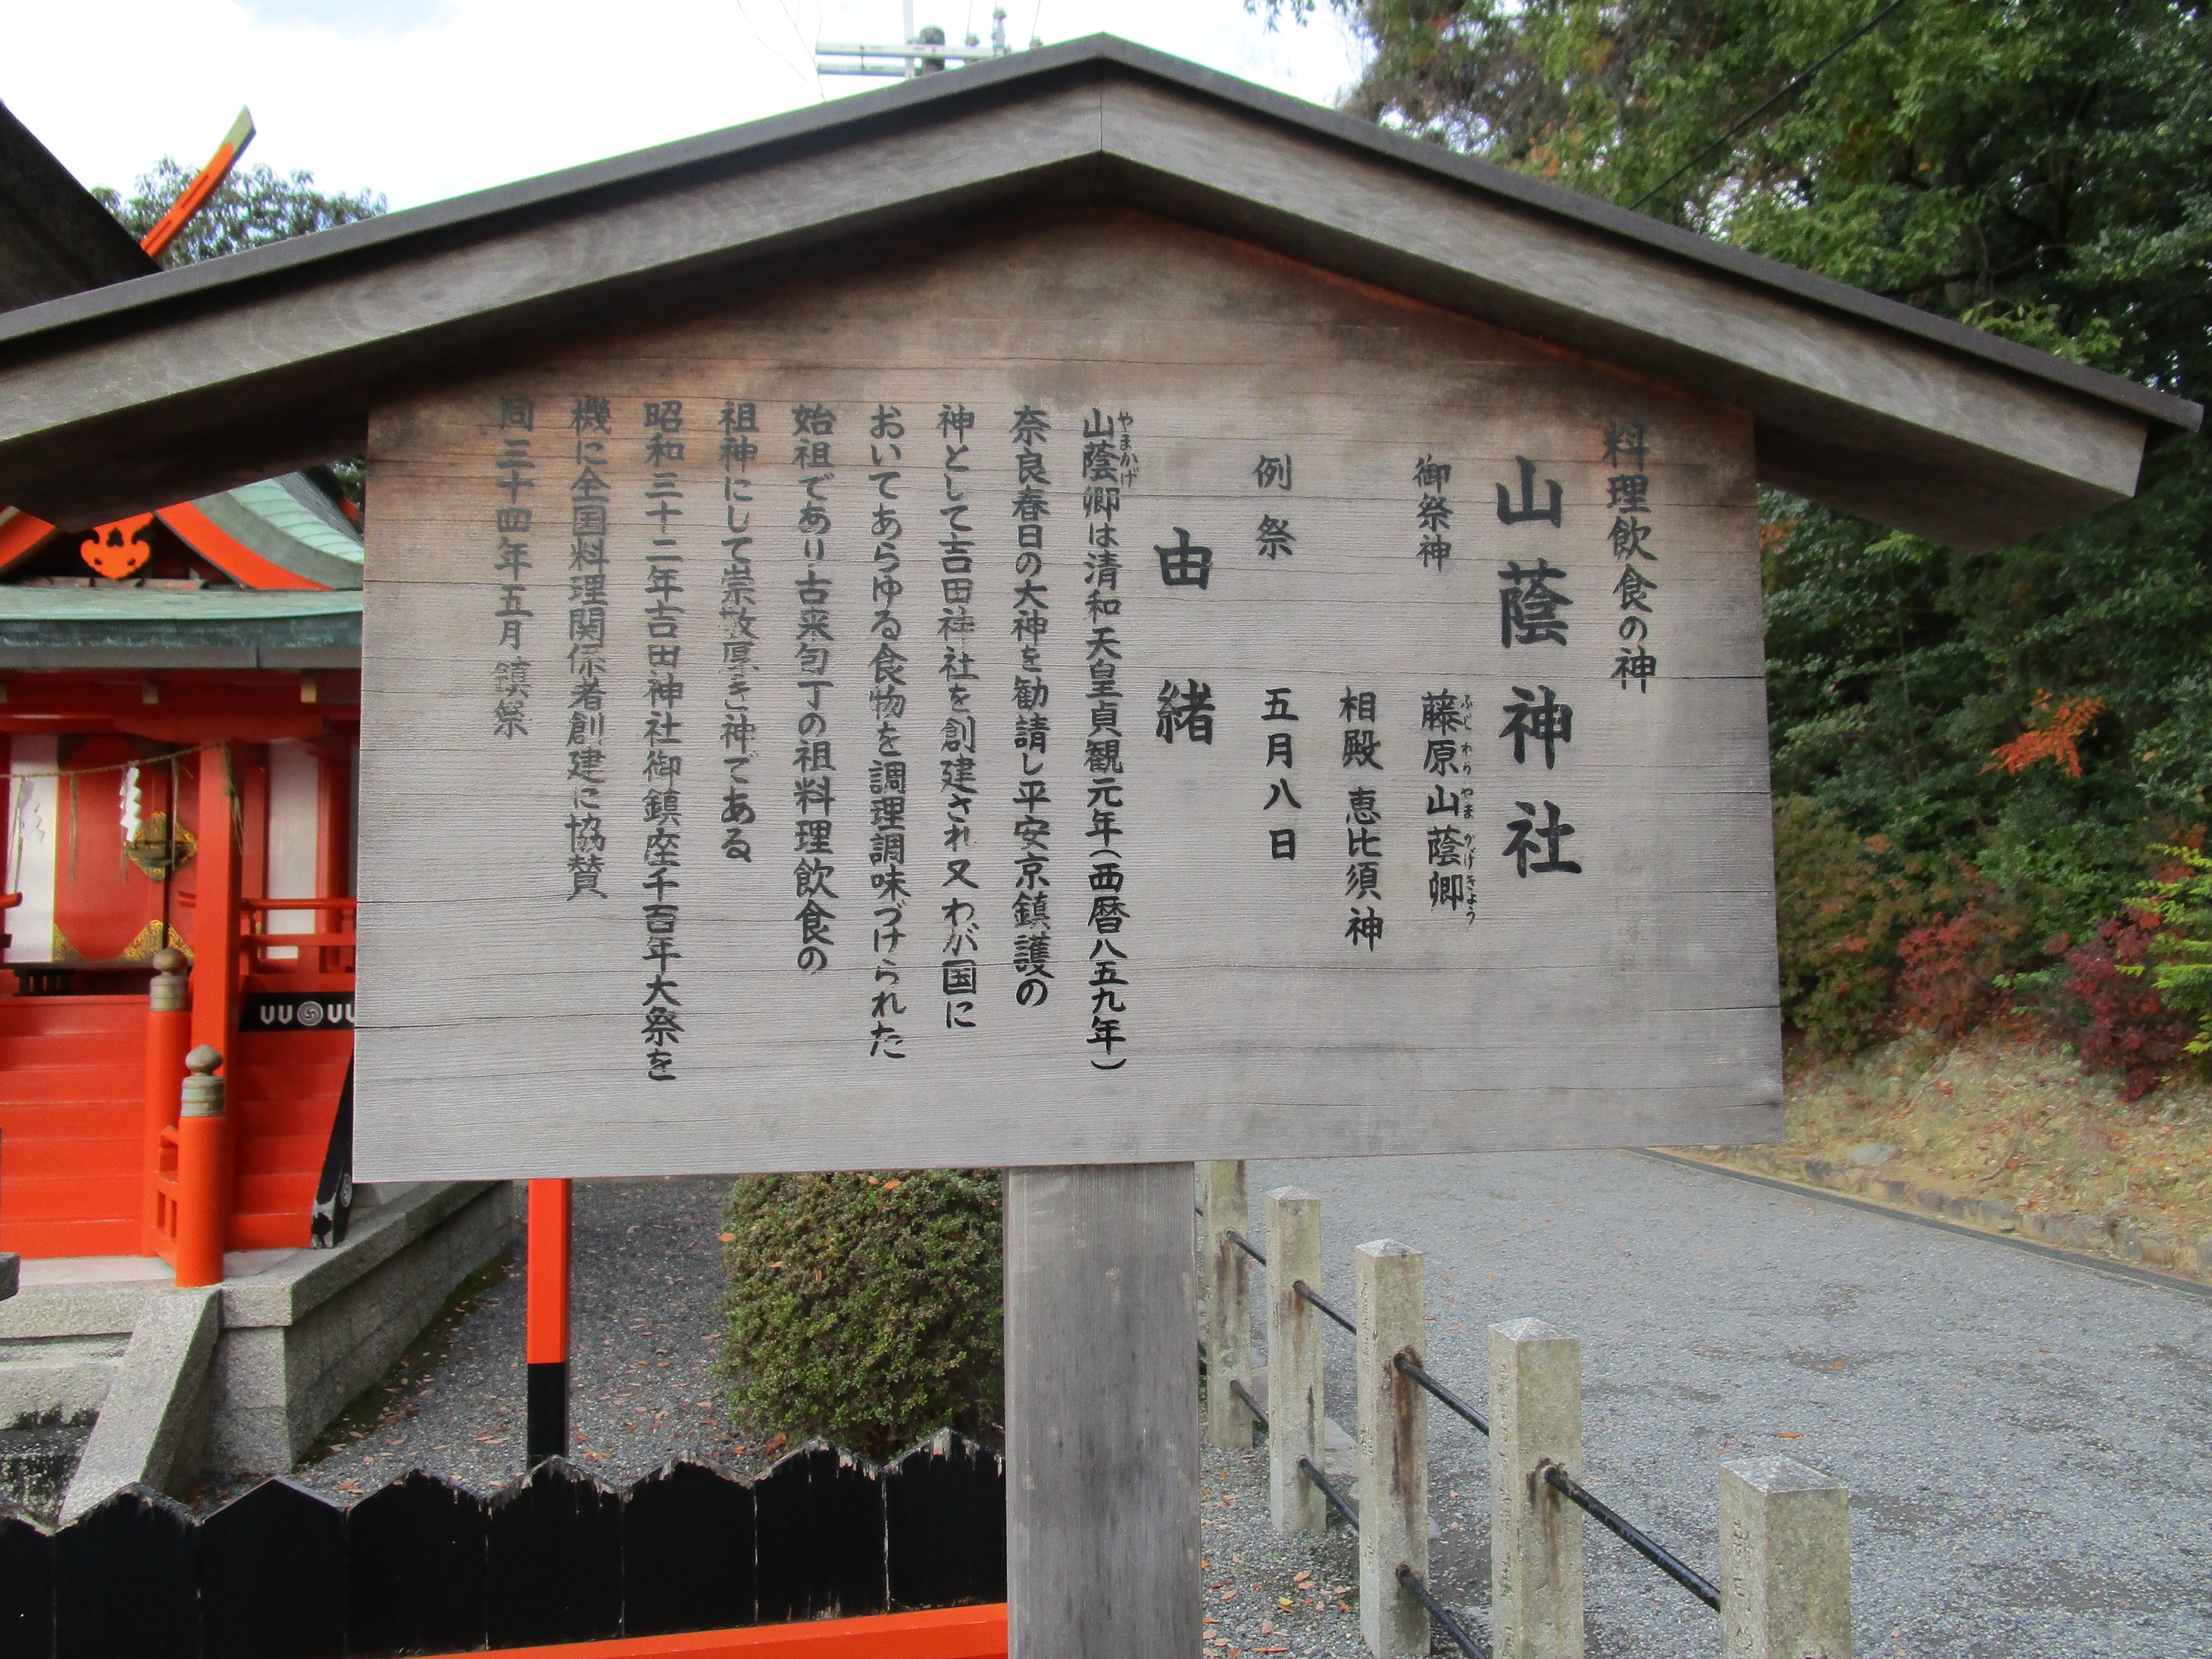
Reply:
x=1783, y=1584
x=327, y=948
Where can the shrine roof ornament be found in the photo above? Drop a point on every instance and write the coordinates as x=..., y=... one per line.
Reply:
x=203, y=378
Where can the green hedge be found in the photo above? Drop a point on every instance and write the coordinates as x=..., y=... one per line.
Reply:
x=866, y=1307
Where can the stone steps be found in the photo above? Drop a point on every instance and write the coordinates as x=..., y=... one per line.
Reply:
x=61, y=1347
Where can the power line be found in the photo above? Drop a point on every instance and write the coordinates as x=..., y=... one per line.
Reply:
x=1867, y=27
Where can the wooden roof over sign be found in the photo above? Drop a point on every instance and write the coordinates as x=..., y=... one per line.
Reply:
x=198, y=378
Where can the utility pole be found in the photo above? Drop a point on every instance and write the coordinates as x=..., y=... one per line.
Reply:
x=924, y=52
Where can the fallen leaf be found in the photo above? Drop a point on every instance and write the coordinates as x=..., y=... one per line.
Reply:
x=727, y=1238
x=893, y=1186
x=1788, y=1437
x=774, y=1444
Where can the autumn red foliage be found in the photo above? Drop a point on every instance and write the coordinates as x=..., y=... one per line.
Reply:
x=2063, y=723
x=2109, y=1009
x=1946, y=970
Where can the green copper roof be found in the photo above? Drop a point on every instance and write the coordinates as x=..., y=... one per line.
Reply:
x=151, y=628
x=296, y=507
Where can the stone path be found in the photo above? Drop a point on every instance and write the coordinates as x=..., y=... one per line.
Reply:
x=2029, y=1441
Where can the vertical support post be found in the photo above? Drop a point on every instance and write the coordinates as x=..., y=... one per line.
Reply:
x=1294, y=1362
x=1394, y=1447
x=1535, y=1534
x=200, y=1211
x=1101, y=1413
x=1785, y=1562
x=215, y=928
x=1228, y=1304
x=215, y=938
x=169, y=1035
x=545, y=1317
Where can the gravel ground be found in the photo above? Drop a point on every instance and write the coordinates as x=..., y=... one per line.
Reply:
x=1250, y=1572
x=2029, y=1441
x=645, y=1350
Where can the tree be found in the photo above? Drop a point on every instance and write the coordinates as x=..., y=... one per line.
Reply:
x=2042, y=170
x=255, y=205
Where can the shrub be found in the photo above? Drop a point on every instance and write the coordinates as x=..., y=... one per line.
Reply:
x=2126, y=996
x=1948, y=968
x=2111, y=1012
x=1830, y=926
x=2183, y=898
x=866, y=1307
x=1872, y=943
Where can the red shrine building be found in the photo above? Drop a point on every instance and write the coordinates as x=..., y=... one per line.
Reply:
x=179, y=722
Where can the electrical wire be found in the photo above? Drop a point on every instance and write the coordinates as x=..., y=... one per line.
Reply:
x=1868, y=28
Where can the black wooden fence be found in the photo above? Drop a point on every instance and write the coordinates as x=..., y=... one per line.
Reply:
x=426, y=1567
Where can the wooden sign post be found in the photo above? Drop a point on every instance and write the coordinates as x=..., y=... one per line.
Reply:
x=1103, y=700
x=1101, y=695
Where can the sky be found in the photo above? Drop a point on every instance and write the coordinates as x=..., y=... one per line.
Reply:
x=426, y=99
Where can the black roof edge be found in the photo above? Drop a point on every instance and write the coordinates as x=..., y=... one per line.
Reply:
x=756, y=141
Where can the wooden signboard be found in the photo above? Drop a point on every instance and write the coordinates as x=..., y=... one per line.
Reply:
x=1092, y=692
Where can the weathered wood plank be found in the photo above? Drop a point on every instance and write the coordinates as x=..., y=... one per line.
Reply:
x=1394, y=711
x=1101, y=1413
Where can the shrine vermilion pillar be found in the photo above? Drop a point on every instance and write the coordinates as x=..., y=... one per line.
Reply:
x=214, y=936
x=215, y=932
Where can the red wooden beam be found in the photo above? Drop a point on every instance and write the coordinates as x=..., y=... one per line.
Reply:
x=194, y=705
x=229, y=555
x=20, y=532
x=940, y=1633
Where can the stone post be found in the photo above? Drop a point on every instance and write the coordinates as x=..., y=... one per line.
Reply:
x=1294, y=1362
x=1785, y=1562
x=1535, y=1534
x=1394, y=1448
x=1228, y=1304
